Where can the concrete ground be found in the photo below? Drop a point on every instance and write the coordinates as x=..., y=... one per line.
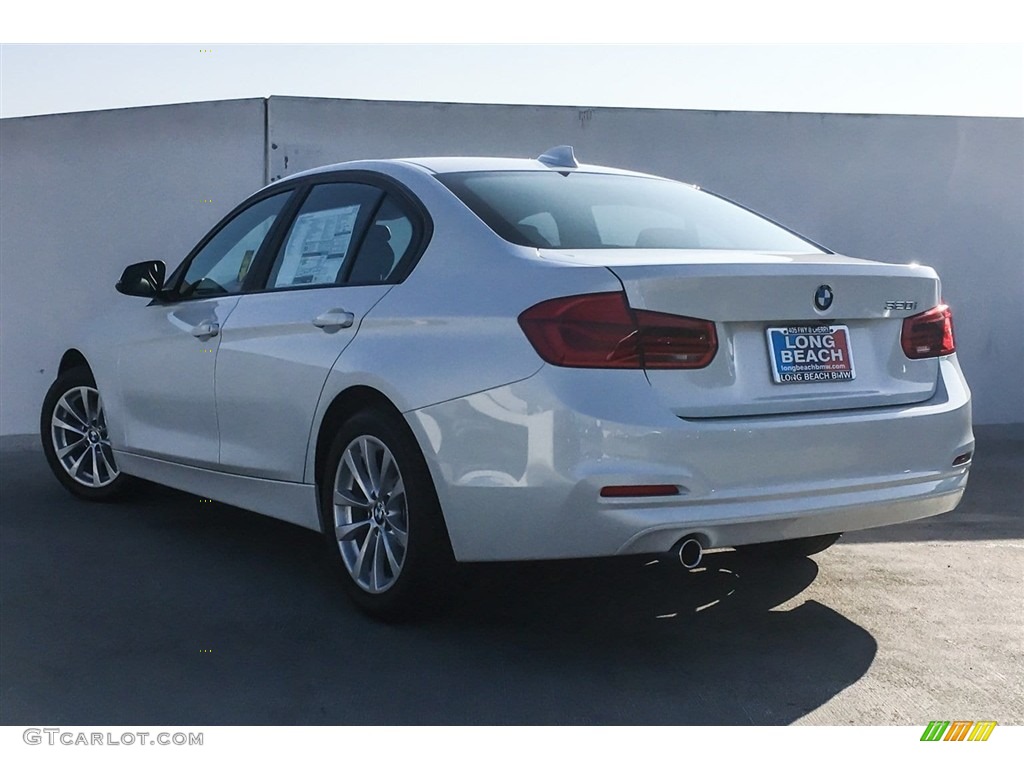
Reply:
x=172, y=611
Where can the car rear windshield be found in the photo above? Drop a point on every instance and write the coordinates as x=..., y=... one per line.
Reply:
x=561, y=210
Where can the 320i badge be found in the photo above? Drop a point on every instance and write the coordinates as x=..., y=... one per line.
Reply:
x=461, y=359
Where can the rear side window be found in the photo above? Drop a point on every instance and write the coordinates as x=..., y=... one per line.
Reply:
x=321, y=242
x=555, y=209
x=347, y=234
x=390, y=239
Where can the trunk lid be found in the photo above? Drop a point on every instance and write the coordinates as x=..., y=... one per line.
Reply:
x=746, y=294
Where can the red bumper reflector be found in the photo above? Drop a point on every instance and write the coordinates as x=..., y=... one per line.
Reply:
x=627, y=491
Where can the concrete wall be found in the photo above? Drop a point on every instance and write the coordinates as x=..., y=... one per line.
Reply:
x=84, y=194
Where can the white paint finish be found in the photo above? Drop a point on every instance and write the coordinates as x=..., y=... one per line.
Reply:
x=292, y=502
x=751, y=290
x=84, y=195
x=777, y=520
x=271, y=368
x=436, y=337
x=165, y=376
x=741, y=293
x=519, y=470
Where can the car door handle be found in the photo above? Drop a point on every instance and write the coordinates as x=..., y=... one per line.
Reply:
x=206, y=330
x=334, y=318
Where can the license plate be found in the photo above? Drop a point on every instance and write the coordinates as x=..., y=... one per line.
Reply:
x=806, y=353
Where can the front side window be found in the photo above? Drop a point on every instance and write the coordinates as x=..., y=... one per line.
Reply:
x=551, y=209
x=222, y=264
x=321, y=242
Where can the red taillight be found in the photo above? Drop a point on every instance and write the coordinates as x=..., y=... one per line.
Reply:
x=929, y=334
x=600, y=330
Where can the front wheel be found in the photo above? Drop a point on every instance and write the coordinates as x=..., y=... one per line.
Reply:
x=382, y=518
x=792, y=548
x=73, y=428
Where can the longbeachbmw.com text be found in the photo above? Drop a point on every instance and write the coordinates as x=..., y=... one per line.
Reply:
x=59, y=736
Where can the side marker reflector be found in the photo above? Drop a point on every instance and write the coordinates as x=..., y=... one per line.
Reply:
x=630, y=491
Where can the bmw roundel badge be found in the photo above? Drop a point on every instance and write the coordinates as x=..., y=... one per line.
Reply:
x=823, y=297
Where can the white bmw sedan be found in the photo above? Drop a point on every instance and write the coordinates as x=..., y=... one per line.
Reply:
x=465, y=359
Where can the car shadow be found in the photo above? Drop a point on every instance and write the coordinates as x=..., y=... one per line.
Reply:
x=168, y=609
x=644, y=641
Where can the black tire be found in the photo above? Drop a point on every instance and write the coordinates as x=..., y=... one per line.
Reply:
x=101, y=481
x=419, y=585
x=793, y=548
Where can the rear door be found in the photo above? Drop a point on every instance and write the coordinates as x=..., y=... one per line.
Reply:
x=344, y=250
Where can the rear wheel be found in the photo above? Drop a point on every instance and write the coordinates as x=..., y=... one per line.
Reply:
x=382, y=518
x=791, y=548
x=73, y=428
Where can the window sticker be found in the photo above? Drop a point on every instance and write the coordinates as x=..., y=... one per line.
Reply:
x=317, y=246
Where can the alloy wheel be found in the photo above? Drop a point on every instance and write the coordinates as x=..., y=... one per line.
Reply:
x=78, y=430
x=371, y=517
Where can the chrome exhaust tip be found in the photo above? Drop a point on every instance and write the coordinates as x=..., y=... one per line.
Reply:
x=690, y=553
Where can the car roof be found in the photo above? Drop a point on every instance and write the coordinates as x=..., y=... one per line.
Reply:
x=440, y=165
x=464, y=164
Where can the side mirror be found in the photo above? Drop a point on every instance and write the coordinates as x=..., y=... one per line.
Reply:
x=143, y=279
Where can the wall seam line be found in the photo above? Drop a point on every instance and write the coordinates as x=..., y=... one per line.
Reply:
x=266, y=140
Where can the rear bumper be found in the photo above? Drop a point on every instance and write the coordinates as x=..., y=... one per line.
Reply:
x=752, y=521
x=519, y=469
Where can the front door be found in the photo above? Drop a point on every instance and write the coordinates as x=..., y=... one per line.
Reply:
x=167, y=363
